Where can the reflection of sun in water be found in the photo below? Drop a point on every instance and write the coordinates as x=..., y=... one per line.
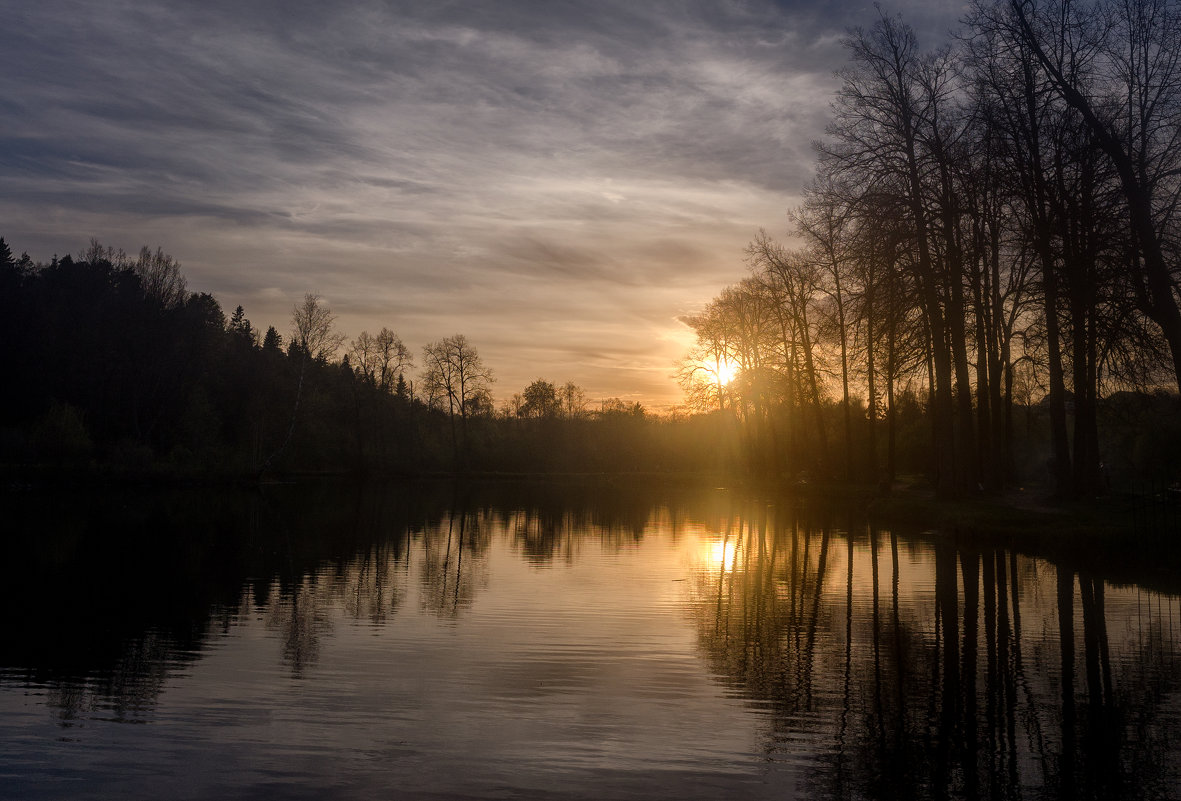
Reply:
x=721, y=555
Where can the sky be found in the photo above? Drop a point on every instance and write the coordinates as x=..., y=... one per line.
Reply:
x=560, y=181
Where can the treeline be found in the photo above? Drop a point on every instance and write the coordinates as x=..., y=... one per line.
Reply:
x=112, y=364
x=992, y=231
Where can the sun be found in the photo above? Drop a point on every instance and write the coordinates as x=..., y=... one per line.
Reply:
x=726, y=371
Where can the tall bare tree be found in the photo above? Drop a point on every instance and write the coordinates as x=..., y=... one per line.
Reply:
x=456, y=379
x=313, y=329
x=1117, y=63
x=881, y=138
x=314, y=337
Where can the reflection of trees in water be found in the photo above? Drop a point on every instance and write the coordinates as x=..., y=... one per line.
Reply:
x=125, y=692
x=454, y=547
x=299, y=615
x=374, y=584
x=909, y=669
x=142, y=579
x=1147, y=686
x=914, y=672
x=760, y=610
x=368, y=587
x=453, y=560
x=543, y=535
x=124, y=584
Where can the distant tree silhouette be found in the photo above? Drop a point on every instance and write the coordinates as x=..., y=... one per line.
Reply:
x=240, y=326
x=313, y=329
x=160, y=276
x=381, y=359
x=573, y=400
x=273, y=340
x=540, y=400
x=455, y=379
x=314, y=338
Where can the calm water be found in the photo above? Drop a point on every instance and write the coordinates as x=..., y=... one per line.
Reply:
x=517, y=642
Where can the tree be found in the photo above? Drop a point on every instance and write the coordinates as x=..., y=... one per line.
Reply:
x=705, y=372
x=381, y=359
x=790, y=280
x=540, y=400
x=455, y=378
x=96, y=253
x=824, y=221
x=890, y=136
x=572, y=399
x=361, y=353
x=160, y=277
x=240, y=327
x=315, y=338
x=313, y=329
x=273, y=340
x=617, y=407
x=391, y=360
x=510, y=408
x=1118, y=65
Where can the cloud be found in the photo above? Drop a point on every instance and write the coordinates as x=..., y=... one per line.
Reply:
x=559, y=182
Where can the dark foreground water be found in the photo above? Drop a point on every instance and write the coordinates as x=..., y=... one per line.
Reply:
x=583, y=643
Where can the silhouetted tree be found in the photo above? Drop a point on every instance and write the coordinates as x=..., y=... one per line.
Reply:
x=240, y=326
x=540, y=399
x=313, y=329
x=273, y=340
x=456, y=379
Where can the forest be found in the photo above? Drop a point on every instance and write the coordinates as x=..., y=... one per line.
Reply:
x=979, y=287
x=117, y=368
x=988, y=249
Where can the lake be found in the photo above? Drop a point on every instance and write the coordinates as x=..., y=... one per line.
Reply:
x=500, y=641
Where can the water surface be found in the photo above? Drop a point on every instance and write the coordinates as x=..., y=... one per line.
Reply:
x=534, y=642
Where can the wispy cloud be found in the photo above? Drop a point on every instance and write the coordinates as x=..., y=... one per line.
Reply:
x=559, y=181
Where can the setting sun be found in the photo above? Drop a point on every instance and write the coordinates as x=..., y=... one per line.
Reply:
x=726, y=371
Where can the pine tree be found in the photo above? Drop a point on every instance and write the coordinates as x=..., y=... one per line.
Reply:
x=240, y=325
x=273, y=340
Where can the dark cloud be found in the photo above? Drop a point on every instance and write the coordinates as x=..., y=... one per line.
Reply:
x=574, y=174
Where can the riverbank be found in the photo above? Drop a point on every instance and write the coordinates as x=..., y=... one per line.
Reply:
x=1114, y=533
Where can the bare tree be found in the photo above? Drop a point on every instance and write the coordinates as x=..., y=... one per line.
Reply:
x=313, y=329
x=160, y=276
x=363, y=352
x=381, y=359
x=704, y=374
x=890, y=136
x=392, y=359
x=1117, y=63
x=824, y=221
x=455, y=377
x=314, y=336
x=573, y=400
x=96, y=252
x=158, y=273
x=790, y=281
x=511, y=408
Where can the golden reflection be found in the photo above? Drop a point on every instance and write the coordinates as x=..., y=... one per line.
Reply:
x=722, y=554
